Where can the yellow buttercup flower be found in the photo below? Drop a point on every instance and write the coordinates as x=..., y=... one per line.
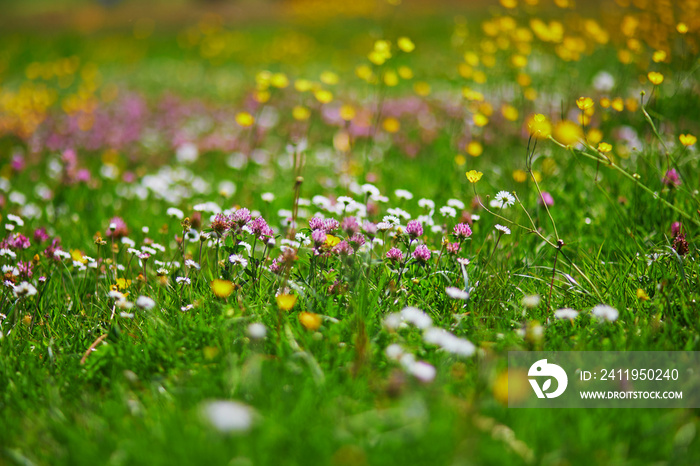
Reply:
x=123, y=283
x=222, y=288
x=474, y=148
x=300, y=113
x=473, y=176
x=539, y=126
x=406, y=44
x=286, y=301
x=568, y=133
x=604, y=147
x=309, y=320
x=642, y=295
x=687, y=139
x=480, y=120
x=331, y=241
x=347, y=112
x=391, y=125
x=584, y=103
x=78, y=256
x=245, y=119
x=519, y=176
x=655, y=77
x=323, y=96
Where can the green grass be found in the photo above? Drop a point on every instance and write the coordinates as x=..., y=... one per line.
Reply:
x=331, y=395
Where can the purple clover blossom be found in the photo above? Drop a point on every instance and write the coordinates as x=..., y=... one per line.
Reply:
x=18, y=241
x=369, y=228
x=241, y=217
x=40, y=235
x=357, y=240
x=422, y=253
x=414, y=229
x=117, y=228
x=394, y=255
x=546, y=199
x=316, y=223
x=330, y=225
x=672, y=178
x=462, y=231
x=319, y=237
x=453, y=248
x=275, y=267
x=260, y=228
x=50, y=251
x=26, y=269
x=220, y=224
x=350, y=226
x=343, y=249
x=676, y=228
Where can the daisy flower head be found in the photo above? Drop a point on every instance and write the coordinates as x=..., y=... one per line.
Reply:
x=565, y=314
x=504, y=230
x=146, y=303
x=505, y=199
x=426, y=204
x=606, y=313
x=456, y=203
x=448, y=211
x=403, y=194
x=237, y=259
x=456, y=293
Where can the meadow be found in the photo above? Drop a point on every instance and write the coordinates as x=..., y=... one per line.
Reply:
x=307, y=232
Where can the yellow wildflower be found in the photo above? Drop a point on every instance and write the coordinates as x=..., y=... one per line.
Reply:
x=473, y=176
x=222, y=288
x=310, y=320
x=286, y=301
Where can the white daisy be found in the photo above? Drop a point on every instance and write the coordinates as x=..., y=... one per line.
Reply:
x=146, y=303
x=566, y=313
x=456, y=293
x=403, y=194
x=502, y=229
x=505, y=199
x=605, y=312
